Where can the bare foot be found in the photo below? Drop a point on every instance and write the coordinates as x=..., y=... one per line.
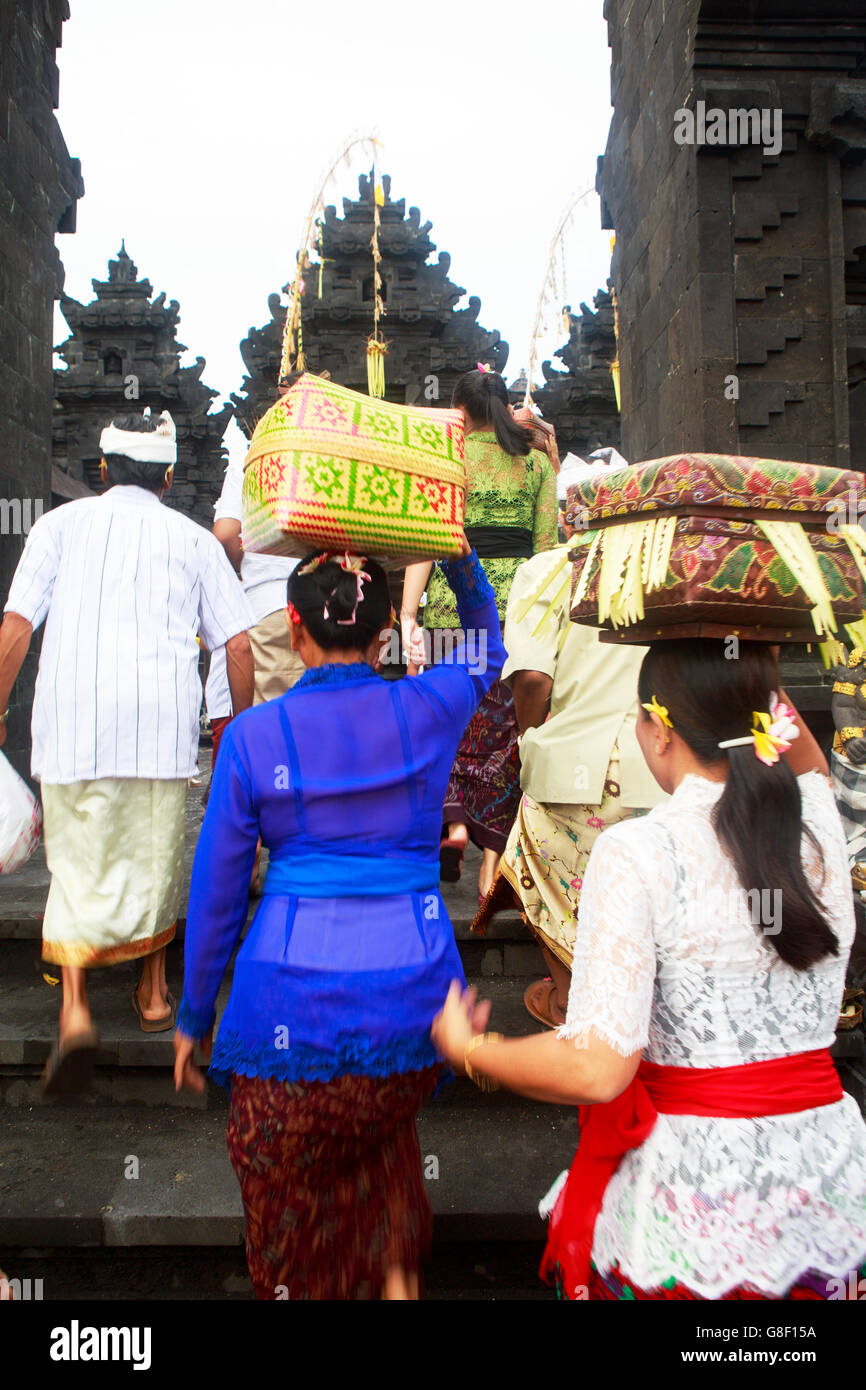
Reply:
x=74, y=1018
x=458, y=834
x=399, y=1286
x=153, y=1005
x=487, y=873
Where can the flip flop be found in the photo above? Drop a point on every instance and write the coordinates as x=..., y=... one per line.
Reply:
x=155, y=1025
x=451, y=854
x=537, y=1001
x=70, y=1064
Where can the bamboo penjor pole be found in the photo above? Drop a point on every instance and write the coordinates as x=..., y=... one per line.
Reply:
x=291, y=331
x=548, y=284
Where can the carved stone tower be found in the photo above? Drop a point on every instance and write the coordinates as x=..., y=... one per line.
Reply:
x=123, y=354
x=428, y=336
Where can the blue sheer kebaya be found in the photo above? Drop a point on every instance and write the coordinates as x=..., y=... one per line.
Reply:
x=351, y=952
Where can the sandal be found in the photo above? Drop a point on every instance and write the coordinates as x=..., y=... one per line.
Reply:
x=155, y=1025
x=70, y=1064
x=537, y=999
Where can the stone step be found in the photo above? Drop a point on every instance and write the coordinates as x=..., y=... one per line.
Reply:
x=63, y=1176
x=476, y=1271
x=134, y=1067
x=466, y=1271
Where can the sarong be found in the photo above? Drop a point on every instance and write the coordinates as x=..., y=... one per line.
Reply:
x=546, y=857
x=484, y=787
x=331, y=1180
x=114, y=847
x=849, y=786
x=615, y=1287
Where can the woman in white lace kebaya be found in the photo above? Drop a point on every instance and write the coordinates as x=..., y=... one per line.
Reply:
x=719, y=1157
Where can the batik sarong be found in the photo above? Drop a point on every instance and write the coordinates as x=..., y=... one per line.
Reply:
x=484, y=788
x=849, y=787
x=546, y=857
x=114, y=847
x=331, y=1180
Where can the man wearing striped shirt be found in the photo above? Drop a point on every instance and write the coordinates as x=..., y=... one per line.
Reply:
x=124, y=586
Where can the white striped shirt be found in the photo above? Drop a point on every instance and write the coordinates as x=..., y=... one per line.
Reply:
x=123, y=584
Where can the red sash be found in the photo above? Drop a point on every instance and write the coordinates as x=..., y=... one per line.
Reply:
x=781, y=1086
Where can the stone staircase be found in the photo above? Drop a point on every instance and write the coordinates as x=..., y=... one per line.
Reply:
x=127, y=1191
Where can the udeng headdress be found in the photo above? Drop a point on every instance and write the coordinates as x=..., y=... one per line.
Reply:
x=158, y=447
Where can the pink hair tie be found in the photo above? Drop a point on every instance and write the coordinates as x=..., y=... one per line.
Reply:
x=352, y=565
x=484, y=367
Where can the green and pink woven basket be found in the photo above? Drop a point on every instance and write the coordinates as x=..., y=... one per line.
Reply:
x=331, y=469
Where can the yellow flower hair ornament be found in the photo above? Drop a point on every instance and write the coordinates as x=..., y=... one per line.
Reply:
x=772, y=734
x=653, y=707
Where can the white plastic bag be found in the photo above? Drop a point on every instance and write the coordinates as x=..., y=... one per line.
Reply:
x=20, y=819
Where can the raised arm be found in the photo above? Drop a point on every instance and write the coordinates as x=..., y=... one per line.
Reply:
x=414, y=583
x=545, y=524
x=805, y=754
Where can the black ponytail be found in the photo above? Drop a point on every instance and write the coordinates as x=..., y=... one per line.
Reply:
x=484, y=397
x=330, y=586
x=758, y=818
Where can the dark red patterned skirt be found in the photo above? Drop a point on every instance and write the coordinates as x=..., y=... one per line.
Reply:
x=484, y=788
x=331, y=1180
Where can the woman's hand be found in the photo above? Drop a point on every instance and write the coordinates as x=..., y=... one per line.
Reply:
x=414, y=651
x=186, y=1073
x=459, y=1021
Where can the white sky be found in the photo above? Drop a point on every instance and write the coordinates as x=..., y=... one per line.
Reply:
x=205, y=126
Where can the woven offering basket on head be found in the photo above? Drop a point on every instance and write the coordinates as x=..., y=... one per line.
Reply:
x=330, y=469
x=712, y=545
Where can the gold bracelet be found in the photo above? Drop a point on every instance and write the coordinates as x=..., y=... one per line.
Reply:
x=844, y=688
x=484, y=1083
x=847, y=733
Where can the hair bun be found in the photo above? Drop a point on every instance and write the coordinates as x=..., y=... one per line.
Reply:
x=342, y=595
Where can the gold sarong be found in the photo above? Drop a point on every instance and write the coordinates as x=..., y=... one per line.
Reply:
x=546, y=857
x=114, y=847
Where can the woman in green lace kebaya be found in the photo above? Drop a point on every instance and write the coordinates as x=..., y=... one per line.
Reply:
x=511, y=514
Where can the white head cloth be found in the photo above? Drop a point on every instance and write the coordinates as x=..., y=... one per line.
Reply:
x=577, y=470
x=609, y=456
x=158, y=447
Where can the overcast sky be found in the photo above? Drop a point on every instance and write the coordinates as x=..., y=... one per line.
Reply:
x=204, y=127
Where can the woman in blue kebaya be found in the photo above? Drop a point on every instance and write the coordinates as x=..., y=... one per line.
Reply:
x=325, y=1041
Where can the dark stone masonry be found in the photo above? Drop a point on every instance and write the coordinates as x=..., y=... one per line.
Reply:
x=123, y=355
x=740, y=267
x=428, y=336
x=39, y=186
x=580, y=402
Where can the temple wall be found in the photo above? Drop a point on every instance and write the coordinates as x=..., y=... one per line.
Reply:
x=38, y=187
x=739, y=266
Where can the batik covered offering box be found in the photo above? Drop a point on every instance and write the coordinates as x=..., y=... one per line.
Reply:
x=713, y=544
x=331, y=469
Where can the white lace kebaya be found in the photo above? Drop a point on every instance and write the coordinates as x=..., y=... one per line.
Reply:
x=672, y=957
